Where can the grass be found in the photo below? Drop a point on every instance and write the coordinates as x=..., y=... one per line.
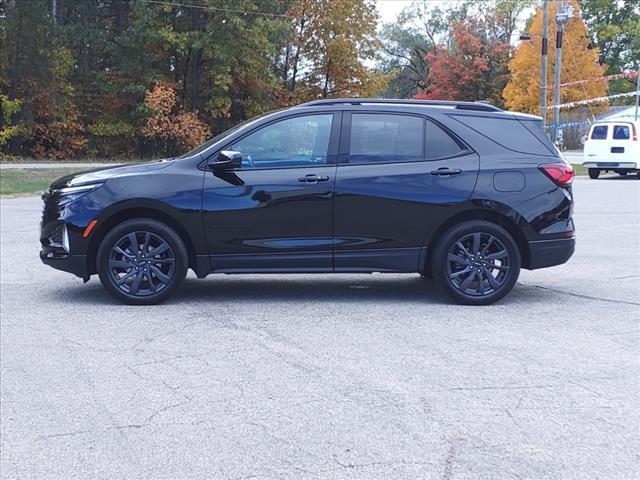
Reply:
x=579, y=169
x=29, y=180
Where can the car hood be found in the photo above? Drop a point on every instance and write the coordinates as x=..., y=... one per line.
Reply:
x=97, y=175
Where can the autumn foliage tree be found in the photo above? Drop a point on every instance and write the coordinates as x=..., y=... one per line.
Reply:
x=175, y=129
x=122, y=78
x=473, y=68
x=580, y=62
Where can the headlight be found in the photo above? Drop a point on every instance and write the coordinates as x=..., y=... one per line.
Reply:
x=69, y=194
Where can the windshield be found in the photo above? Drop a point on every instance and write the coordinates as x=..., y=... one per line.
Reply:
x=220, y=136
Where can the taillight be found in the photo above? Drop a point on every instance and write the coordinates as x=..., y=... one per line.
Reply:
x=561, y=173
x=635, y=134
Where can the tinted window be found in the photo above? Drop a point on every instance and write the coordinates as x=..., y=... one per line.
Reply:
x=599, y=132
x=386, y=138
x=297, y=141
x=621, y=132
x=507, y=131
x=439, y=143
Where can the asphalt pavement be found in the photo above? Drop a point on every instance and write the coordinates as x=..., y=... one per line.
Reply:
x=328, y=376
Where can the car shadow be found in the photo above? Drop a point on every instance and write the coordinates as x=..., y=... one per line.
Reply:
x=297, y=289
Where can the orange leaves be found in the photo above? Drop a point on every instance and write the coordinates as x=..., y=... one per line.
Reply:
x=168, y=123
x=472, y=69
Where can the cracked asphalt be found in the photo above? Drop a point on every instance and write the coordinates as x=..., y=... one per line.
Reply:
x=324, y=377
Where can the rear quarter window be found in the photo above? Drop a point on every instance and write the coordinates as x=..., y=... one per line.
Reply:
x=599, y=132
x=508, y=132
x=440, y=144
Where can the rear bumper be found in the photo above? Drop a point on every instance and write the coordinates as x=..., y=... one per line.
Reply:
x=547, y=253
x=76, y=264
x=611, y=165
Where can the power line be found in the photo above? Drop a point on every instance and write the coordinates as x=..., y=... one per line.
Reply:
x=219, y=9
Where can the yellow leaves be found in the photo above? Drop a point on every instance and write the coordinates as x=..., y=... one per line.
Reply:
x=168, y=123
x=161, y=99
x=579, y=62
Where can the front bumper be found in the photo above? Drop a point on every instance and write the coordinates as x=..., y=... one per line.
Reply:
x=547, y=253
x=76, y=264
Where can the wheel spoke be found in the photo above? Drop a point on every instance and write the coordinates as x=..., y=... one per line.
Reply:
x=480, y=283
x=491, y=279
x=476, y=243
x=126, y=277
x=457, y=259
x=133, y=241
x=158, y=273
x=498, y=255
x=163, y=247
x=162, y=260
x=461, y=272
x=122, y=252
x=467, y=281
x=462, y=247
x=488, y=244
x=135, y=285
x=147, y=237
x=119, y=264
x=152, y=286
x=502, y=268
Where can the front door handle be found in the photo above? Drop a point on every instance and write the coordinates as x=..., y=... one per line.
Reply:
x=311, y=178
x=445, y=171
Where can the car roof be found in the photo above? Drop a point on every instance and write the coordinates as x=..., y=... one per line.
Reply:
x=411, y=105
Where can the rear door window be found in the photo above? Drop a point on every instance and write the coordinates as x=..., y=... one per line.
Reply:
x=621, y=132
x=599, y=132
x=381, y=138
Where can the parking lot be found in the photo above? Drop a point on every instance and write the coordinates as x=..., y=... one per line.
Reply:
x=344, y=376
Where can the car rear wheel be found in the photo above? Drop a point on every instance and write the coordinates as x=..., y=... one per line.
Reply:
x=142, y=261
x=476, y=262
x=594, y=173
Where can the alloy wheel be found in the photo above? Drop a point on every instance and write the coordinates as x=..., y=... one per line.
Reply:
x=478, y=264
x=141, y=264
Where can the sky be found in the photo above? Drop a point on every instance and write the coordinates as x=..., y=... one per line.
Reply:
x=389, y=9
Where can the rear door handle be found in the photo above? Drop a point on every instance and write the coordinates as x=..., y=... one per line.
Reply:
x=311, y=178
x=446, y=171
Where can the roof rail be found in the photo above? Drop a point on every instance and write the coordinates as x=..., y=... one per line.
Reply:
x=481, y=106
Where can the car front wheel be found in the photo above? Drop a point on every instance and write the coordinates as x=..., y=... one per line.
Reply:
x=142, y=261
x=476, y=262
x=594, y=173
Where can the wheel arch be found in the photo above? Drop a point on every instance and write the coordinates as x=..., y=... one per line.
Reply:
x=478, y=214
x=106, y=224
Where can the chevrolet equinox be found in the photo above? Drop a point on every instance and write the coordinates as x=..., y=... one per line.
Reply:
x=461, y=192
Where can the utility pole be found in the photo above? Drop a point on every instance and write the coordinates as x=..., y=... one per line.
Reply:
x=543, y=61
x=562, y=16
x=637, y=94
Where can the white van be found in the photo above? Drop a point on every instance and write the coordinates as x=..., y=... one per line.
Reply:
x=613, y=146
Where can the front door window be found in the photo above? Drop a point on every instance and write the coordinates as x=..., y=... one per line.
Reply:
x=294, y=142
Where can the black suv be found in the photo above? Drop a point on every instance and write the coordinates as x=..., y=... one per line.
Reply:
x=461, y=192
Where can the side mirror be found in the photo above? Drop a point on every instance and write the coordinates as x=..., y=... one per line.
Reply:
x=226, y=160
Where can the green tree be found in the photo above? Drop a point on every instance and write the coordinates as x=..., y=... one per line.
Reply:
x=614, y=28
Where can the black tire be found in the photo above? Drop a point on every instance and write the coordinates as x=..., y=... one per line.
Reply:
x=622, y=172
x=134, y=274
x=594, y=173
x=495, y=254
